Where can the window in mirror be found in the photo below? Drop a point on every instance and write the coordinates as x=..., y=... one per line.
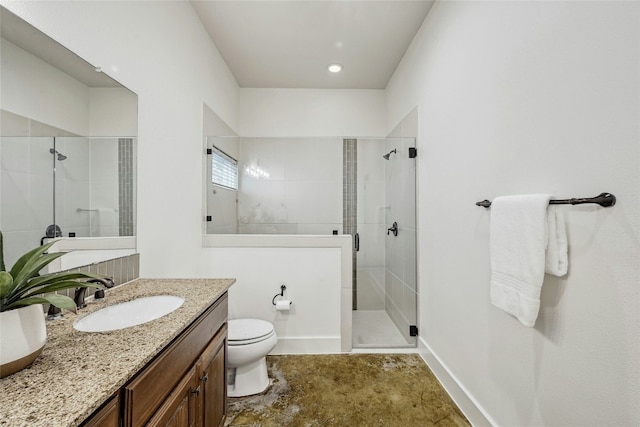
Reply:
x=224, y=169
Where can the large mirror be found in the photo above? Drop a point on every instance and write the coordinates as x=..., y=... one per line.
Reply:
x=67, y=145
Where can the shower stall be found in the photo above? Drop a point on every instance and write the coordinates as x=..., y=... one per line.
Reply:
x=384, y=280
x=325, y=186
x=65, y=186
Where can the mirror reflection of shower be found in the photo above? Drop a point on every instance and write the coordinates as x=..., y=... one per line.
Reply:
x=61, y=156
x=386, y=156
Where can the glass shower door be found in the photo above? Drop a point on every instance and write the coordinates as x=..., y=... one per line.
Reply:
x=385, y=265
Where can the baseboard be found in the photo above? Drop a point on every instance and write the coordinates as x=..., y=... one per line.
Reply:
x=307, y=345
x=469, y=407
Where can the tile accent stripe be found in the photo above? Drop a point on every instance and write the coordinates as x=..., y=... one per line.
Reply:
x=125, y=186
x=350, y=201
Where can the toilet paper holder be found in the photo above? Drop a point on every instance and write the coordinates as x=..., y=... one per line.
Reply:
x=281, y=294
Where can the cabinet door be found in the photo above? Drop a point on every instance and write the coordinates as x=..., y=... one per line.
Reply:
x=107, y=416
x=212, y=372
x=178, y=410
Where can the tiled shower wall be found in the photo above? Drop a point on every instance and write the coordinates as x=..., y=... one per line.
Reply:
x=350, y=202
x=290, y=186
x=85, y=181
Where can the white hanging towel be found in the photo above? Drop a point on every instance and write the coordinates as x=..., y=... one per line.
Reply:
x=527, y=238
x=557, y=259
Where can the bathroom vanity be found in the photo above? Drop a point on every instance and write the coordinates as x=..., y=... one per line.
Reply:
x=170, y=370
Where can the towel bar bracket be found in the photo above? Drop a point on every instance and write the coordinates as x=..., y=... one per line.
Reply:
x=605, y=200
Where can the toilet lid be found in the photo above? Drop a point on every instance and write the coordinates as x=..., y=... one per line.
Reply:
x=248, y=329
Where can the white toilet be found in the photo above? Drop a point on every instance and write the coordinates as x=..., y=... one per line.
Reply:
x=248, y=343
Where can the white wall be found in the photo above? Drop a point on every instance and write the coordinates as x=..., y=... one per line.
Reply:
x=312, y=277
x=317, y=272
x=311, y=112
x=522, y=97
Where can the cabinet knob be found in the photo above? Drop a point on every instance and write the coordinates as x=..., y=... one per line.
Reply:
x=196, y=391
x=205, y=378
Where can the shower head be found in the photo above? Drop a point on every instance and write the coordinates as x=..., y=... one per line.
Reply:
x=386, y=156
x=61, y=156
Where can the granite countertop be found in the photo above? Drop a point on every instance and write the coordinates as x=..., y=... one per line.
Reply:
x=78, y=371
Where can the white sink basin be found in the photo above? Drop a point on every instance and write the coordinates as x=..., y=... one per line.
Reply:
x=127, y=314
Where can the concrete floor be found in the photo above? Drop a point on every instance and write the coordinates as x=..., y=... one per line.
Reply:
x=347, y=390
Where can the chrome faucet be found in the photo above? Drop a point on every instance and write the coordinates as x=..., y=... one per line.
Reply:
x=80, y=293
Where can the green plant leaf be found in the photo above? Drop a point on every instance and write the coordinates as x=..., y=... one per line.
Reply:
x=50, y=283
x=2, y=267
x=28, y=258
x=19, y=265
x=59, y=286
x=32, y=268
x=6, y=284
x=24, y=285
x=60, y=301
x=62, y=276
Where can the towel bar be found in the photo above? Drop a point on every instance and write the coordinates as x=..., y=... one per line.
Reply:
x=605, y=200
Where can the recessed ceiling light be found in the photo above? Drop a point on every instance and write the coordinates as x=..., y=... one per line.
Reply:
x=335, y=68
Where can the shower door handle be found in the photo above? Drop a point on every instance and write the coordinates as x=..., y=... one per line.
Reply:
x=357, y=242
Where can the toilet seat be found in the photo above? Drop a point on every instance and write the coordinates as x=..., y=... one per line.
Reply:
x=248, y=331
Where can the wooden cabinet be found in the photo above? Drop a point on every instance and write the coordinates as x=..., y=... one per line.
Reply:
x=178, y=410
x=199, y=400
x=186, y=383
x=107, y=416
x=212, y=374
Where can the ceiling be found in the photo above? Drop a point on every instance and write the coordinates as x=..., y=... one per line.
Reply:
x=290, y=43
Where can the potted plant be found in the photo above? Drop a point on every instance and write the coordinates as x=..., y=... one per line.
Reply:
x=22, y=292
